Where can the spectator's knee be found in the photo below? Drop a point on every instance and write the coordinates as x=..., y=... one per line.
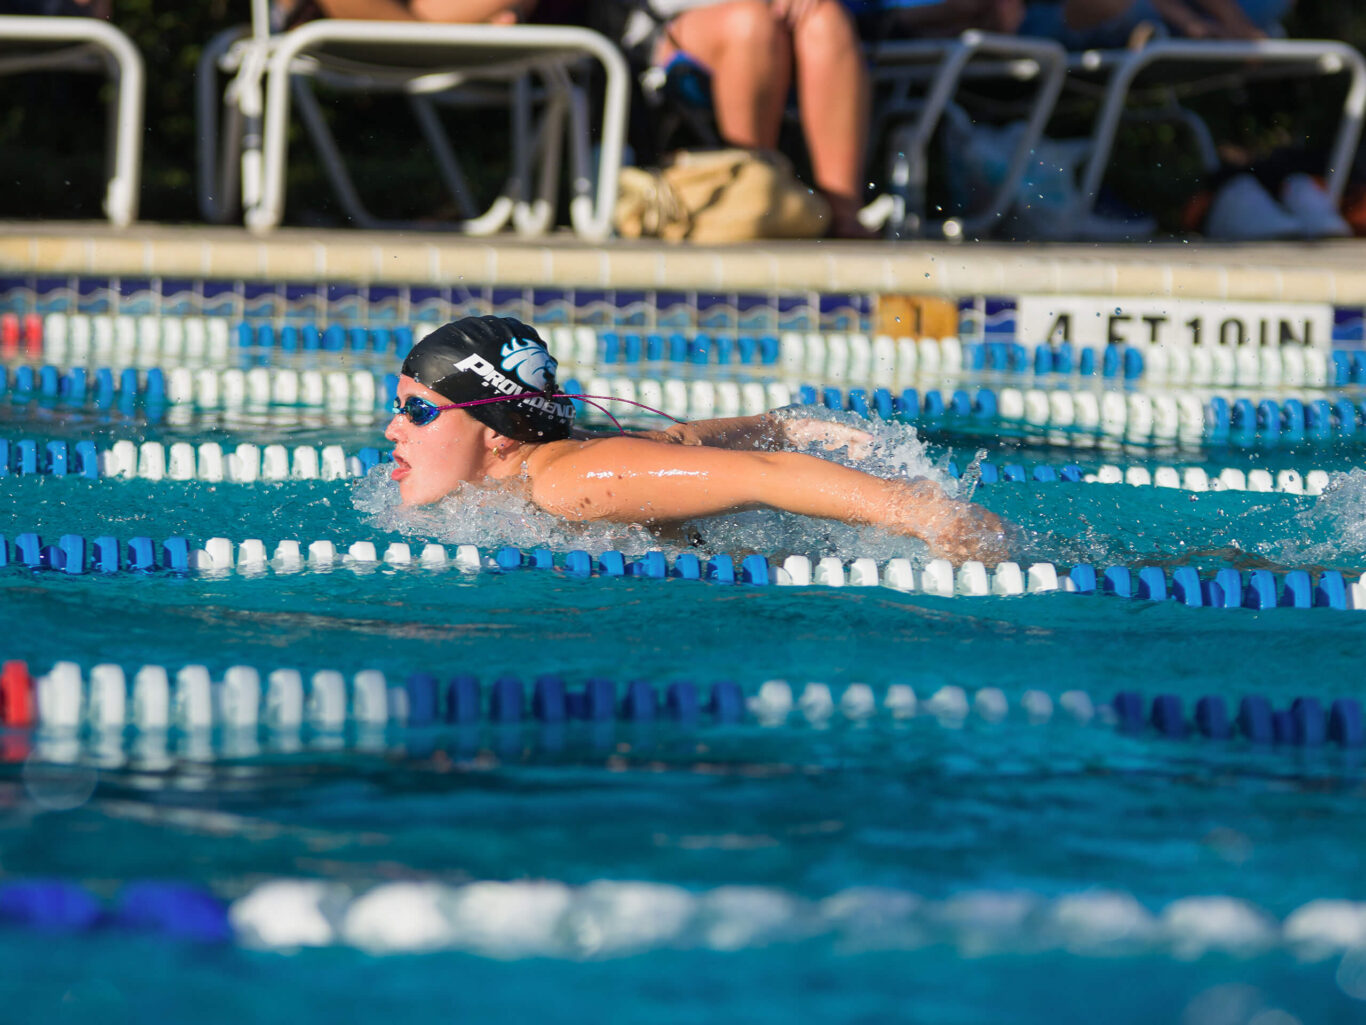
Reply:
x=828, y=30
x=750, y=25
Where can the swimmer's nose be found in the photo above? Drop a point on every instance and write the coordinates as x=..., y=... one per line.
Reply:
x=392, y=431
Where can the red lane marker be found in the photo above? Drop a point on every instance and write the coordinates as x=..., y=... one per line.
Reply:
x=33, y=334
x=14, y=749
x=9, y=335
x=16, y=694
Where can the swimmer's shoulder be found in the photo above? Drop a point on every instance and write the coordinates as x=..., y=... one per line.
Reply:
x=595, y=452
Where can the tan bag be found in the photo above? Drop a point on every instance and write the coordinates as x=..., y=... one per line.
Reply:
x=711, y=196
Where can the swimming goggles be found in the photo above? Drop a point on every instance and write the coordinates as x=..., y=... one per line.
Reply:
x=420, y=412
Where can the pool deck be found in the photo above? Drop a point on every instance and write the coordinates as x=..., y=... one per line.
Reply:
x=1332, y=272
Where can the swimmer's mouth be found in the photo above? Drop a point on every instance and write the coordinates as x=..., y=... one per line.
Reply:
x=401, y=468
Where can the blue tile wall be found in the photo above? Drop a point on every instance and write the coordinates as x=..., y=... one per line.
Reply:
x=755, y=313
x=552, y=307
x=645, y=311
x=345, y=303
x=221, y=299
x=510, y=302
x=632, y=309
x=16, y=295
x=842, y=312
x=429, y=304
x=93, y=295
x=137, y=297
x=178, y=297
x=468, y=301
x=971, y=317
x=1349, y=327
x=594, y=308
x=715, y=311
x=55, y=295
x=386, y=305
x=674, y=310
x=796, y=313
x=999, y=317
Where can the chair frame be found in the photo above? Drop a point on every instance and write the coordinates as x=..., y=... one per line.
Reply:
x=272, y=68
x=96, y=46
x=1268, y=56
x=900, y=66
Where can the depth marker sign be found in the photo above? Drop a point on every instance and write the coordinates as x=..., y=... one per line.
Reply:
x=1088, y=322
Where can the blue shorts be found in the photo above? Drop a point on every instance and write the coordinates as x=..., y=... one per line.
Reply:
x=1046, y=20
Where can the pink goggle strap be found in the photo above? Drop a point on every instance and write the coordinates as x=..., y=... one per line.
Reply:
x=587, y=398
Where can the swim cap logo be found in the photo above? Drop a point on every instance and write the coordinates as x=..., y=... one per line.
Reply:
x=532, y=364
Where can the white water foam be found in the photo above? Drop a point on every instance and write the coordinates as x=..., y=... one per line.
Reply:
x=608, y=918
x=1335, y=525
x=491, y=514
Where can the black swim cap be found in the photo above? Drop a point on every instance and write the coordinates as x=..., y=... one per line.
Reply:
x=484, y=357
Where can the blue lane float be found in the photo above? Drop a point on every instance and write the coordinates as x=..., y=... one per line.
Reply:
x=1304, y=723
x=422, y=701
x=1092, y=408
x=212, y=462
x=175, y=910
x=1224, y=588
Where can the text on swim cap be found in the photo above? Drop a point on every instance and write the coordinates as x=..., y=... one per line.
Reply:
x=490, y=375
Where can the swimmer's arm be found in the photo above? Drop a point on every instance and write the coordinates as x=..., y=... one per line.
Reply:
x=734, y=432
x=632, y=480
x=764, y=432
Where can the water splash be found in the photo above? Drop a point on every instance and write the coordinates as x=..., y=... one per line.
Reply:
x=490, y=514
x=1332, y=530
x=972, y=476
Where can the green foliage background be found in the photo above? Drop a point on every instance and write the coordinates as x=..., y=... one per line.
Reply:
x=52, y=128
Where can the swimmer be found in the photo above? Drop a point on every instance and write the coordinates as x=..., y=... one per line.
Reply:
x=477, y=400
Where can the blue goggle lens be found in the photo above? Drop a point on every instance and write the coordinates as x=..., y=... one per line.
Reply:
x=419, y=411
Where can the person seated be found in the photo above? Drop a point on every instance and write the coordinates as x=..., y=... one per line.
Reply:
x=60, y=8
x=1111, y=24
x=493, y=12
x=753, y=50
x=477, y=401
x=896, y=19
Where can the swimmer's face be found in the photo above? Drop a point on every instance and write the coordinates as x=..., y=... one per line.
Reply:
x=430, y=461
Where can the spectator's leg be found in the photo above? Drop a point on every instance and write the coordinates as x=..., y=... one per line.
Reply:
x=1081, y=15
x=833, y=96
x=749, y=55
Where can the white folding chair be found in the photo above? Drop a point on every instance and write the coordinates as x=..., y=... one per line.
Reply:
x=914, y=83
x=530, y=69
x=89, y=45
x=1176, y=62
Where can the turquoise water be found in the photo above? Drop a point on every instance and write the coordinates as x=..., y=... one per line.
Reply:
x=790, y=816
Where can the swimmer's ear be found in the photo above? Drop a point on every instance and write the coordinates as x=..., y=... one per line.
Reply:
x=499, y=445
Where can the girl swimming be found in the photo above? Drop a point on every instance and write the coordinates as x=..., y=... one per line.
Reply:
x=477, y=400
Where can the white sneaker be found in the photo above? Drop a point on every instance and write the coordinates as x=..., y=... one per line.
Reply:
x=1243, y=211
x=1305, y=198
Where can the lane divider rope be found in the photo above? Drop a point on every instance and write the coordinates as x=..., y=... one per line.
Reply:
x=65, y=701
x=1187, y=416
x=74, y=554
x=828, y=357
x=613, y=918
x=206, y=388
x=209, y=461
x=1191, y=478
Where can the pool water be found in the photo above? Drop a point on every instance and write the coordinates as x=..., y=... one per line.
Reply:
x=941, y=867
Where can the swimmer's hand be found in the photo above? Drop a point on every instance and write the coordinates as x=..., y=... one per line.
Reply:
x=808, y=433
x=954, y=530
